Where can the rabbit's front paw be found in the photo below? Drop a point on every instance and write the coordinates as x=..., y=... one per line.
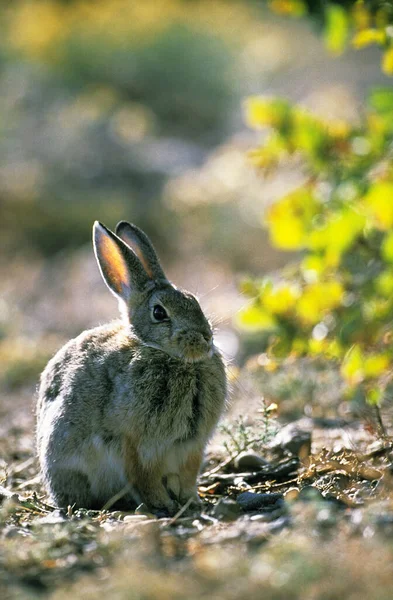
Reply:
x=159, y=502
x=168, y=509
x=191, y=498
x=183, y=496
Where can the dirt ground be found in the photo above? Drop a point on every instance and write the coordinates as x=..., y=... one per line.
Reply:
x=306, y=514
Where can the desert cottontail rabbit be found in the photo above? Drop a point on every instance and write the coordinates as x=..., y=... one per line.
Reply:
x=130, y=405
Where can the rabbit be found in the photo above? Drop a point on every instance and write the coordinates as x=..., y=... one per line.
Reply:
x=126, y=409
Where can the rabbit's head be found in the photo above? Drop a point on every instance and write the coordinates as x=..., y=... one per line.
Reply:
x=161, y=315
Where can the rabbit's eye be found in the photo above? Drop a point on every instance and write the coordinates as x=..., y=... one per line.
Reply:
x=159, y=313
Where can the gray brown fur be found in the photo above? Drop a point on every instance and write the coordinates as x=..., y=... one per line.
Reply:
x=132, y=403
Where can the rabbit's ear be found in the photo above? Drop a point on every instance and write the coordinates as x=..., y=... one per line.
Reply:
x=120, y=268
x=138, y=241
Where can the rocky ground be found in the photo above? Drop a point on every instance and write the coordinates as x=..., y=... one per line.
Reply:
x=297, y=511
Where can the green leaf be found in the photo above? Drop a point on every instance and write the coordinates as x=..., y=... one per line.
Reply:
x=374, y=396
x=381, y=100
x=336, y=30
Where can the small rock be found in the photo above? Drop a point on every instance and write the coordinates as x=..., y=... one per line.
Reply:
x=11, y=532
x=135, y=518
x=326, y=518
x=291, y=494
x=384, y=523
x=258, y=501
x=249, y=461
x=226, y=509
x=294, y=438
x=310, y=494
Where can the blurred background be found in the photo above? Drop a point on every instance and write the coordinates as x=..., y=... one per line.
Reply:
x=130, y=110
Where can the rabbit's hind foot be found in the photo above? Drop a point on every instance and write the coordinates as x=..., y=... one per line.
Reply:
x=71, y=488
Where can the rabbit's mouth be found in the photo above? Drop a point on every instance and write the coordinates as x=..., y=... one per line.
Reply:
x=194, y=347
x=194, y=356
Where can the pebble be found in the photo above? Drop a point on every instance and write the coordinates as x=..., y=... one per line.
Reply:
x=135, y=518
x=310, y=494
x=258, y=501
x=294, y=438
x=384, y=523
x=291, y=494
x=12, y=532
x=326, y=518
x=226, y=509
x=249, y=461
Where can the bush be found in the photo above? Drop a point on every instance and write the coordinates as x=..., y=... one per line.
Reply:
x=336, y=301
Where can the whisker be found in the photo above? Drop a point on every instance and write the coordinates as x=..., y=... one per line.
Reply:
x=210, y=291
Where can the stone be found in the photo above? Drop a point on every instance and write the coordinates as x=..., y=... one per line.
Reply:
x=310, y=494
x=259, y=501
x=249, y=461
x=294, y=438
x=135, y=518
x=226, y=509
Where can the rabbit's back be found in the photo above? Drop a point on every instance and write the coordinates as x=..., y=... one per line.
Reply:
x=78, y=376
x=75, y=389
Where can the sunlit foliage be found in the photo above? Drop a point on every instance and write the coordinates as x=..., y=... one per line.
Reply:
x=336, y=301
x=358, y=23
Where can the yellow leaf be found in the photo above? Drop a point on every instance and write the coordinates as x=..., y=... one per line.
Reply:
x=337, y=235
x=316, y=347
x=36, y=27
x=368, y=36
x=254, y=318
x=289, y=219
x=376, y=364
x=384, y=284
x=312, y=267
x=334, y=349
x=308, y=135
x=295, y=8
x=280, y=299
x=265, y=112
x=287, y=234
x=378, y=202
x=352, y=366
x=387, y=62
x=338, y=129
x=299, y=346
x=374, y=396
x=317, y=299
x=387, y=247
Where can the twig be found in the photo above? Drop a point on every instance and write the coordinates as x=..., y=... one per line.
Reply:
x=221, y=465
x=377, y=452
x=33, y=505
x=116, y=497
x=380, y=422
x=275, y=484
x=15, y=470
x=179, y=513
x=28, y=482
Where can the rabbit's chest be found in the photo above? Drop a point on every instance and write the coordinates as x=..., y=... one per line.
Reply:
x=173, y=401
x=178, y=406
